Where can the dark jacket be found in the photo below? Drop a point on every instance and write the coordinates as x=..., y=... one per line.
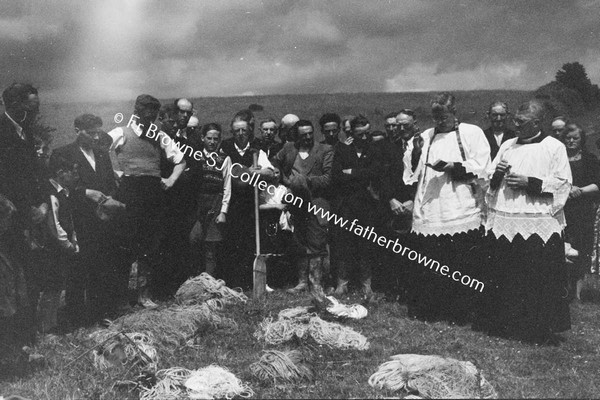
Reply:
x=18, y=179
x=102, y=179
x=489, y=135
x=319, y=172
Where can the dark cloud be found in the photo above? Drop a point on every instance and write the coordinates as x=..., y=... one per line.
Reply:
x=113, y=50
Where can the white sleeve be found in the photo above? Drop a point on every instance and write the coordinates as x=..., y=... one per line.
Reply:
x=171, y=149
x=263, y=161
x=57, y=231
x=477, y=151
x=226, y=185
x=118, y=138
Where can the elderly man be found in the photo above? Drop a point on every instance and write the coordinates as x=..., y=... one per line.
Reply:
x=99, y=272
x=239, y=238
x=498, y=131
x=138, y=149
x=287, y=122
x=448, y=212
x=184, y=109
x=306, y=169
x=530, y=184
x=19, y=181
x=558, y=126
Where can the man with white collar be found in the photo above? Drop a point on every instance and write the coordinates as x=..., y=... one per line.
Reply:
x=448, y=213
x=530, y=184
x=138, y=148
x=498, y=131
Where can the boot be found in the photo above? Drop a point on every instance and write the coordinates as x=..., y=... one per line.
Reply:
x=315, y=276
x=303, y=278
x=367, y=291
x=342, y=278
x=48, y=311
x=342, y=287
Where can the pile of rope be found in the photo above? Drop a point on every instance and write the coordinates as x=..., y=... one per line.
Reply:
x=432, y=377
x=282, y=366
x=298, y=322
x=172, y=326
x=212, y=382
x=115, y=349
x=206, y=289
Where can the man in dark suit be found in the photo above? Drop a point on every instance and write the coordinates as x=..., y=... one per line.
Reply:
x=20, y=184
x=358, y=169
x=498, y=132
x=18, y=180
x=306, y=169
x=98, y=270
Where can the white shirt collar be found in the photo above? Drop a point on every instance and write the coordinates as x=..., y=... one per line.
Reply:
x=18, y=127
x=241, y=151
x=58, y=187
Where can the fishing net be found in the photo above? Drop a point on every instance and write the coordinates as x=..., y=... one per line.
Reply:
x=173, y=326
x=212, y=382
x=282, y=366
x=432, y=377
x=118, y=348
x=205, y=288
x=298, y=322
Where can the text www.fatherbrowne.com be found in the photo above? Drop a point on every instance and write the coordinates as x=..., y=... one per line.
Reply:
x=369, y=233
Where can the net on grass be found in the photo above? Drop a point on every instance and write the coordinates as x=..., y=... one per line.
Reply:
x=172, y=326
x=212, y=382
x=432, y=377
x=282, y=366
x=116, y=349
x=298, y=322
x=205, y=288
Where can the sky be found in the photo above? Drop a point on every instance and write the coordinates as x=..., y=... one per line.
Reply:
x=116, y=49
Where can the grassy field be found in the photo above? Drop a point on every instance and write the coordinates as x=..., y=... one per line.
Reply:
x=516, y=370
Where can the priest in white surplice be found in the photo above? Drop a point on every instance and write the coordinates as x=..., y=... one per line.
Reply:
x=448, y=214
x=530, y=184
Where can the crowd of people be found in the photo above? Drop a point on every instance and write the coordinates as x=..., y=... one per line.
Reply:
x=149, y=204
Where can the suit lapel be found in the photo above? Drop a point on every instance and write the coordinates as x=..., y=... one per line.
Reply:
x=312, y=159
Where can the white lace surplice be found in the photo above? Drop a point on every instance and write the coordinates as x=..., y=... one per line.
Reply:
x=510, y=211
x=443, y=206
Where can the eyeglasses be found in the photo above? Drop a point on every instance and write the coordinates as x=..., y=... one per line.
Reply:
x=520, y=122
x=185, y=112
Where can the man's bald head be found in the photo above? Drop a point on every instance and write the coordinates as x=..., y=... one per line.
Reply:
x=185, y=109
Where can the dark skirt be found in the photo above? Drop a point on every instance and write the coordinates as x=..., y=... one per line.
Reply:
x=433, y=296
x=526, y=296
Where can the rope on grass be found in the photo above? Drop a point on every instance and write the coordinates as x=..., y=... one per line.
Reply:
x=206, y=383
x=302, y=324
x=336, y=335
x=204, y=287
x=432, y=377
x=286, y=366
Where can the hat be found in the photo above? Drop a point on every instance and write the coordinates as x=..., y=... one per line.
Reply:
x=145, y=100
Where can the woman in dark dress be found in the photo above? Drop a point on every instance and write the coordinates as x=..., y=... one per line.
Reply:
x=580, y=209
